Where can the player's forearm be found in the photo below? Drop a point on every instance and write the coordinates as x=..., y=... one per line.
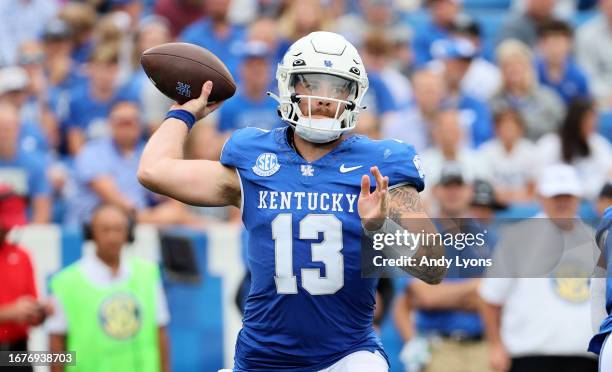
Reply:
x=165, y=146
x=406, y=210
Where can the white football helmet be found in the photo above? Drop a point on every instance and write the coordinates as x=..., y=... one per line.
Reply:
x=330, y=75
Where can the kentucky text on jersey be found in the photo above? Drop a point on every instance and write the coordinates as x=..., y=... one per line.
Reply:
x=312, y=201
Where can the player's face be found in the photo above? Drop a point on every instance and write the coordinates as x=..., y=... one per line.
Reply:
x=320, y=87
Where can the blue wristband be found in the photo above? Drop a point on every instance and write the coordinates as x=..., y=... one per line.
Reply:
x=184, y=116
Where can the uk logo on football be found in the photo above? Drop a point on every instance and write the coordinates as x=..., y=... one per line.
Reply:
x=183, y=89
x=266, y=164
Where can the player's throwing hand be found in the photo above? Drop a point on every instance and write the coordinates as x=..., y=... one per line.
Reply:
x=199, y=107
x=373, y=206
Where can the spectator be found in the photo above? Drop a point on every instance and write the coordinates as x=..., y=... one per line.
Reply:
x=36, y=111
x=443, y=14
x=266, y=30
x=555, y=66
x=448, y=139
x=482, y=79
x=301, y=18
x=151, y=32
x=414, y=123
x=374, y=15
x=251, y=106
x=564, y=9
x=217, y=34
x=388, y=88
x=579, y=144
x=524, y=26
x=91, y=101
x=24, y=171
x=133, y=8
x=19, y=307
x=14, y=15
x=379, y=98
x=594, y=53
x=604, y=200
x=14, y=83
x=110, y=310
x=509, y=158
x=523, y=332
x=81, y=18
x=105, y=172
x=180, y=13
x=61, y=71
x=485, y=203
x=541, y=108
x=456, y=56
x=447, y=316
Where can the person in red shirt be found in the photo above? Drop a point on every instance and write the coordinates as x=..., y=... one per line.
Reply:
x=19, y=307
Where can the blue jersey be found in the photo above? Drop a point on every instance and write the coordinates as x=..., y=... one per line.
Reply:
x=604, y=240
x=308, y=305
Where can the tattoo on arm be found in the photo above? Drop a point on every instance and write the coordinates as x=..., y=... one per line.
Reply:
x=403, y=201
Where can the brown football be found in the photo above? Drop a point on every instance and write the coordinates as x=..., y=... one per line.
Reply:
x=179, y=70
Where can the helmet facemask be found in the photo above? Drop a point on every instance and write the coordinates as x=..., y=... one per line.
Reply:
x=321, y=83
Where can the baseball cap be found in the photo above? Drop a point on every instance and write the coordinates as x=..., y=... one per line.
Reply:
x=13, y=78
x=484, y=195
x=12, y=208
x=255, y=49
x=56, y=29
x=455, y=48
x=559, y=179
x=451, y=173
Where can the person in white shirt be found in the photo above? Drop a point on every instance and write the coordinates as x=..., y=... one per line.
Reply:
x=106, y=303
x=594, y=53
x=482, y=79
x=536, y=315
x=578, y=143
x=509, y=157
x=448, y=136
x=413, y=124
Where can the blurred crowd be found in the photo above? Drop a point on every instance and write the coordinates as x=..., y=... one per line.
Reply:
x=501, y=87
x=493, y=94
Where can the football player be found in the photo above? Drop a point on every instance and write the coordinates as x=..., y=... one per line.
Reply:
x=601, y=295
x=306, y=198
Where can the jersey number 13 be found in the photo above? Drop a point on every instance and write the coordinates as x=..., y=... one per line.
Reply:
x=327, y=251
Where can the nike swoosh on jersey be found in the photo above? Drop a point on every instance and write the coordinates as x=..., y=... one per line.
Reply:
x=349, y=169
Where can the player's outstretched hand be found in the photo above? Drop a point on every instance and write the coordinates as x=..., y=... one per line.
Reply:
x=199, y=107
x=373, y=206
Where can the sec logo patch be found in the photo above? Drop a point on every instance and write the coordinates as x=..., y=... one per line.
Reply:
x=266, y=165
x=120, y=316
